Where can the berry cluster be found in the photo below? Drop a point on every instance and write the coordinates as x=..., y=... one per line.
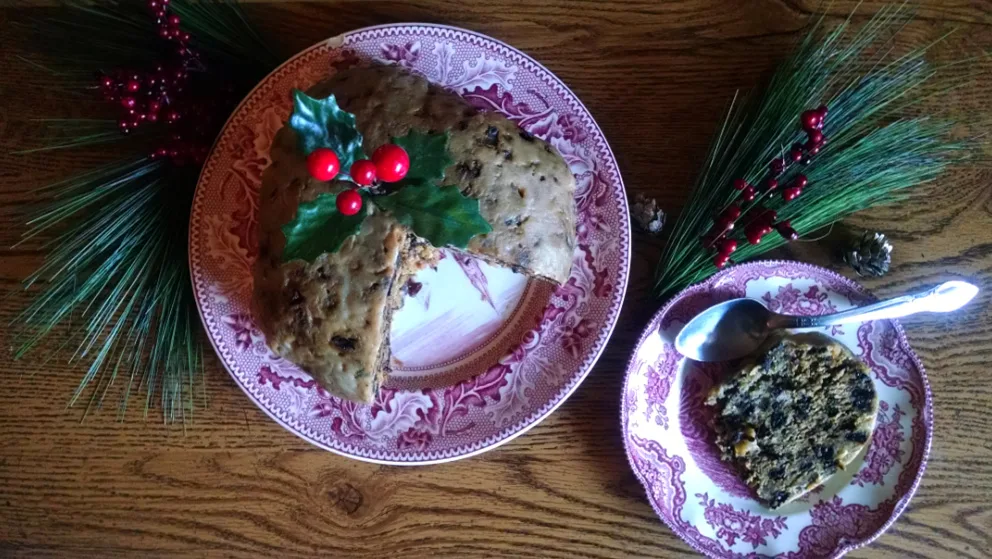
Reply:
x=163, y=95
x=760, y=221
x=389, y=163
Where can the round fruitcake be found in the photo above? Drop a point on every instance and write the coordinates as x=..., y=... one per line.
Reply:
x=332, y=316
x=795, y=417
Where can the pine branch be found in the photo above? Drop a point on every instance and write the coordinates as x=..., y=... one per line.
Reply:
x=872, y=156
x=116, y=268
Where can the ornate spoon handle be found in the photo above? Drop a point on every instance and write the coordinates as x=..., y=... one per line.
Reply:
x=946, y=297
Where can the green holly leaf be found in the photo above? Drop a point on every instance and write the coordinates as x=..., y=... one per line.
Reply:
x=318, y=228
x=429, y=156
x=321, y=123
x=442, y=215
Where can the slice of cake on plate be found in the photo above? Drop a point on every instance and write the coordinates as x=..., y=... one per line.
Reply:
x=800, y=414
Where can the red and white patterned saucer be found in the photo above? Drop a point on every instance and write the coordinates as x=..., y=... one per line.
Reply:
x=667, y=434
x=493, y=356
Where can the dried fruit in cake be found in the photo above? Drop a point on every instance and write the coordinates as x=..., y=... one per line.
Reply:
x=794, y=418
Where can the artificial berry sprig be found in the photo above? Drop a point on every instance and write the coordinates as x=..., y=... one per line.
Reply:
x=162, y=94
x=762, y=221
x=389, y=163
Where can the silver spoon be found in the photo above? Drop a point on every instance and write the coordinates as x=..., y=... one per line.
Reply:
x=737, y=327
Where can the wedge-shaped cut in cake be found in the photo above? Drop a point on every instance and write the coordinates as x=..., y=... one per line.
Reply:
x=332, y=316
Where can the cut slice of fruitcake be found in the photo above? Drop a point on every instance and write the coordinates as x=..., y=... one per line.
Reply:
x=794, y=418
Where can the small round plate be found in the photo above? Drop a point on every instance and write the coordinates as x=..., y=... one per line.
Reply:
x=482, y=353
x=667, y=433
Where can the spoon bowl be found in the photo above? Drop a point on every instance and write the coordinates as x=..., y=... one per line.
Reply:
x=726, y=331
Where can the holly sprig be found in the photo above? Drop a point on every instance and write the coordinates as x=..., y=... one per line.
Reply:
x=412, y=167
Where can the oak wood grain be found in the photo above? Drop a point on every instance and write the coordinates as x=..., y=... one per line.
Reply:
x=656, y=76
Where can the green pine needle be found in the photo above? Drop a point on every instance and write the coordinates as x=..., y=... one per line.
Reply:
x=116, y=268
x=871, y=157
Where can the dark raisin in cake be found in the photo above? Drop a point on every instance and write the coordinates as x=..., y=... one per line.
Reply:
x=794, y=418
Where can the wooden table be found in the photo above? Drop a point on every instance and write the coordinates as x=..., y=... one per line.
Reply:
x=656, y=76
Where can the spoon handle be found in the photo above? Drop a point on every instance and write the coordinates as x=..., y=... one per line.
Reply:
x=946, y=297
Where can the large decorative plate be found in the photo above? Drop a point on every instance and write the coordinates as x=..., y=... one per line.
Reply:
x=667, y=434
x=483, y=353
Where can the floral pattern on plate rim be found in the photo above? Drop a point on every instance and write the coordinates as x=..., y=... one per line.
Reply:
x=520, y=389
x=723, y=520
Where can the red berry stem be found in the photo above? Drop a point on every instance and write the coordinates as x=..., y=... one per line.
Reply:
x=761, y=221
x=163, y=94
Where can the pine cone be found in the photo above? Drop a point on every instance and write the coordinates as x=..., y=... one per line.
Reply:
x=870, y=256
x=647, y=216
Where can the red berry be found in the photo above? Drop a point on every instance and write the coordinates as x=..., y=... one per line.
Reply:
x=777, y=166
x=748, y=194
x=720, y=260
x=753, y=235
x=815, y=137
x=728, y=246
x=391, y=162
x=173, y=116
x=184, y=37
x=812, y=149
x=106, y=82
x=153, y=5
x=154, y=106
x=174, y=20
x=152, y=117
x=323, y=165
x=770, y=184
x=723, y=223
x=740, y=184
x=785, y=229
x=796, y=153
x=124, y=125
x=800, y=182
x=363, y=172
x=134, y=86
x=810, y=120
x=128, y=102
x=164, y=32
x=791, y=193
x=766, y=218
x=163, y=2
x=732, y=212
x=349, y=202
